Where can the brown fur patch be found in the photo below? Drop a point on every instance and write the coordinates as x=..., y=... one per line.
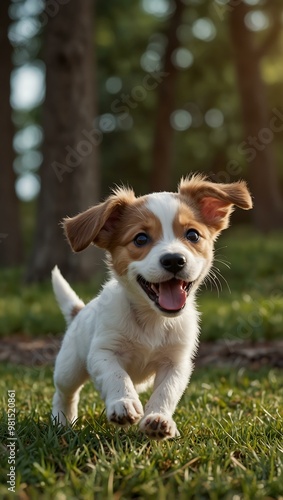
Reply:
x=186, y=219
x=76, y=310
x=136, y=219
x=95, y=225
x=214, y=202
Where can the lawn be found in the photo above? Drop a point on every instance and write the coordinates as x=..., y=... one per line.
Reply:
x=230, y=446
x=230, y=419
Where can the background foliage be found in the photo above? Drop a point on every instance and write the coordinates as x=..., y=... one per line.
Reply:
x=205, y=98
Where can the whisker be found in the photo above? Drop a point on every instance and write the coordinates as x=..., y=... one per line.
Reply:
x=206, y=281
x=225, y=263
x=217, y=282
x=220, y=248
x=214, y=281
x=220, y=275
x=218, y=257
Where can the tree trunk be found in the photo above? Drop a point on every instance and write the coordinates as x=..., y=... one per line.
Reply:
x=69, y=173
x=160, y=178
x=11, y=250
x=259, y=125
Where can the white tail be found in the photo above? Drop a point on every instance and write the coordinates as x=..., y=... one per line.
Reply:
x=69, y=303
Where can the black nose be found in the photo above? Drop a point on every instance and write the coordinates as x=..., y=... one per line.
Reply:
x=173, y=262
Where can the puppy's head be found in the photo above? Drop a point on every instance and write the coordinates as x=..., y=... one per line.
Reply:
x=161, y=244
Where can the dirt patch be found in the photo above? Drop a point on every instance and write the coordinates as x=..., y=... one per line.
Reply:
x=252, y=354
x=23, y=350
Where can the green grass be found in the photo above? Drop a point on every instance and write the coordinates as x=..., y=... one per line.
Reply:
x=230, y=446
x=251, y=311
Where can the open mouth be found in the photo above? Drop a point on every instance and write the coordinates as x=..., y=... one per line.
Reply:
x=169, y=296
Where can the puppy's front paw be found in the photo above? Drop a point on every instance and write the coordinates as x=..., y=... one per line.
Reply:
x=158, y=426
x=124, y=411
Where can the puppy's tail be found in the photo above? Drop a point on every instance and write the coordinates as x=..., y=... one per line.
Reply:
x=69, y=303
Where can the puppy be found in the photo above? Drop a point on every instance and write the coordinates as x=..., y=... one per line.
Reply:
x=142, y=329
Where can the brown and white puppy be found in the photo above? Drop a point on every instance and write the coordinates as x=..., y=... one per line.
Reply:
x=142, y=329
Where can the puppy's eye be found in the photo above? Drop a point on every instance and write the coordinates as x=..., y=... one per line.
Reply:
x=192, y=235
x=141, y=239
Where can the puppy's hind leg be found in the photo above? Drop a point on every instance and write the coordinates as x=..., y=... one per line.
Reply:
x=69, y=377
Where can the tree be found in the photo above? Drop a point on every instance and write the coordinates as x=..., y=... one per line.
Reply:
x=69, y=173
x=11, y=250
x=258, y=146
x=160, y=179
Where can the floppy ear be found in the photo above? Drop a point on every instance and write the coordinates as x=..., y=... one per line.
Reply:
x=215, y=202
x=96, y=225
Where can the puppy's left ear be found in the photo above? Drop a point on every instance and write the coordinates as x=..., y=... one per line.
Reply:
x=215, y=202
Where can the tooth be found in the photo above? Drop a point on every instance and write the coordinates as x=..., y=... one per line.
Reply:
x=154, y=288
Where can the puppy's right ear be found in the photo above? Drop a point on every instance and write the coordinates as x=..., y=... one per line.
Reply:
x=96, y=225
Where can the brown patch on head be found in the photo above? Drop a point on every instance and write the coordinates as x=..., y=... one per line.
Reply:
x=136, y=219
x=113, y=225
x=214, y=202
x=187, y=218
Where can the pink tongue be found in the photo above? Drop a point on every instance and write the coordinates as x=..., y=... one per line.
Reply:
x=172, y=296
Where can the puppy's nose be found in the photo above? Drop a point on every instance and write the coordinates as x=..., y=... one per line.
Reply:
x=173, y=262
